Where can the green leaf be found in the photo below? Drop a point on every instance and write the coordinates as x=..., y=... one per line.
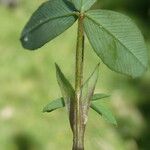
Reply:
x=65, y=87
x=104, y=112
x=48, y=21
x=59, y=103
x=83, y=5
x=56, y=104
x=87, y=92
x=117, y=41
x=99, y=96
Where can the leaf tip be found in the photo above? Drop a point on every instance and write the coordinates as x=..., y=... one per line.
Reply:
x=27, y=44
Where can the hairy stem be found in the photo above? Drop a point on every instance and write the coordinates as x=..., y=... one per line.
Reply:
x=78, y=127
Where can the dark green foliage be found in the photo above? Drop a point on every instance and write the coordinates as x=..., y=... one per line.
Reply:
x=113, y=36
x=51, y=19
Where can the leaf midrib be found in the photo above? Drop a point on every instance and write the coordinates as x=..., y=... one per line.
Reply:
x=97, y=23
x=47, y=20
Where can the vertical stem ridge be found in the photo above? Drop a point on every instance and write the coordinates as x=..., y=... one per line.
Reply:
x=78, y=129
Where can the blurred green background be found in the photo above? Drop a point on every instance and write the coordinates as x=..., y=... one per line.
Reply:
x=28, y=82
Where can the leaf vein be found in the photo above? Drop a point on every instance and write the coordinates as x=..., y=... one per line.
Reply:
x=97, y=23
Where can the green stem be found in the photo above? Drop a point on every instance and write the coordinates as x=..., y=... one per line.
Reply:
x=78, y=127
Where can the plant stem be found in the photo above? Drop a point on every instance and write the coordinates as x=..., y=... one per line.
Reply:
x=78, y=127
